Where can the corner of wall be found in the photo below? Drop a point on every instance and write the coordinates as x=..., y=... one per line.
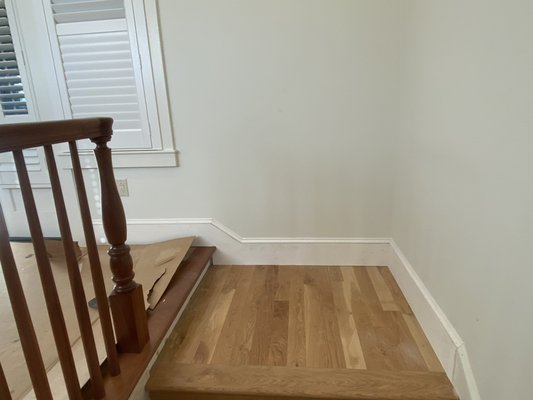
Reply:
x=444, y=339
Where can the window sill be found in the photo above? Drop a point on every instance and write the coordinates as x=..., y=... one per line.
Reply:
x=126, y=159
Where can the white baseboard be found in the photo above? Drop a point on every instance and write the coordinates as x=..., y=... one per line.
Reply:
x=444, y=339
x=234, y=249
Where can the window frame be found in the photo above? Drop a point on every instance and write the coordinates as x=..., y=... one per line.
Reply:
x=143, y=27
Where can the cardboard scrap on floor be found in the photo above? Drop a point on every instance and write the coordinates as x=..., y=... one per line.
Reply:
x=154, y=265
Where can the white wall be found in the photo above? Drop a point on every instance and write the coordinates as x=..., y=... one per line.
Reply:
x=282, y=113
x=463, y=199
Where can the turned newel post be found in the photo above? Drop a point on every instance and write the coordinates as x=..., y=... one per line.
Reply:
x=126, y=300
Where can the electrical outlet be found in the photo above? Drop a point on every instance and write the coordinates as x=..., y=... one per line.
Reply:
x=122, y=186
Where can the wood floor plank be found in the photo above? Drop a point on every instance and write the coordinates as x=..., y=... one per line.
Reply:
x=283, y=288
x=243, y=339
x=185, y=381
x=382, y=290
x=431, y=360
x=364, y=308
x=190, y=316
x=352, y=349
x=209, y=336
x=407, y=346
x=323, y=342
x=334, y=345
x=235, y=317
x=193, y=337
x=277, y=349
x=264, y=310
x=297, y=338
x=399, y=298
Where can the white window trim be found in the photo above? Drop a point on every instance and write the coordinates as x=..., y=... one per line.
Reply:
x=163, y=152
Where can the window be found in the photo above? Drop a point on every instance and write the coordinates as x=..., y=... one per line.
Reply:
x=99, y=58
x=13, y=100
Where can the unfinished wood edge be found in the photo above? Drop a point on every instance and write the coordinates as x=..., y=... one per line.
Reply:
x=139, y=391
x=442, y=335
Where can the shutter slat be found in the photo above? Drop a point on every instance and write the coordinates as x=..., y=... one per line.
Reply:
x=110, y=55
x=11, y=88
x=106, y=37
x=10, y=71
x=78, y=6
x=85, y=16
x=102, y=91
x=7, y=64
x=8, y=112
x=8, y=56
x=96, y=65
x=13, y=103
x=11, y=95
x=8, y=79
x=101, y=82
x=103, y=99
x=91, y=47
x=7, y=47
x=110, y=107
x=100, y=74
x=117, y=115
x=126, y=125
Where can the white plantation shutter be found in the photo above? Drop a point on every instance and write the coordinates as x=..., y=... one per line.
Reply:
x=13, y=101
x=101, y=67
x=14, y=98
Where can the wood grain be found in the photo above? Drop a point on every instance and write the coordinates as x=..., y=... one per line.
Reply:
x=159, y=321
x=5, y=394
x=33, y=134
x=51, y=297
x=76, y=285
x=289, y=332
x=21, y=313
x=319, y=317
x=262, y=382
x=94, y=263
x=126, y=299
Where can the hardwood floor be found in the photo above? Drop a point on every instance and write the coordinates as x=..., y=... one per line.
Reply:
x=300, y=326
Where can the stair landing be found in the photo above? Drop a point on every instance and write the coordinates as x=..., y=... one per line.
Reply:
x=278, y=332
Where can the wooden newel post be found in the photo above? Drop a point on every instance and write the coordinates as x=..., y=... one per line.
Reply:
x=127, y=299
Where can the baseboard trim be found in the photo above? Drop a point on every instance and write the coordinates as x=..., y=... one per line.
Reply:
x=235, y=249
x=444, y=339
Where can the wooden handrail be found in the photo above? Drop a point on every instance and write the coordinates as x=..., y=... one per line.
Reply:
x=126, y=301
x=36, y=134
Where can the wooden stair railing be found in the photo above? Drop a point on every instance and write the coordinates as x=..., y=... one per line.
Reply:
x=126, y=300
